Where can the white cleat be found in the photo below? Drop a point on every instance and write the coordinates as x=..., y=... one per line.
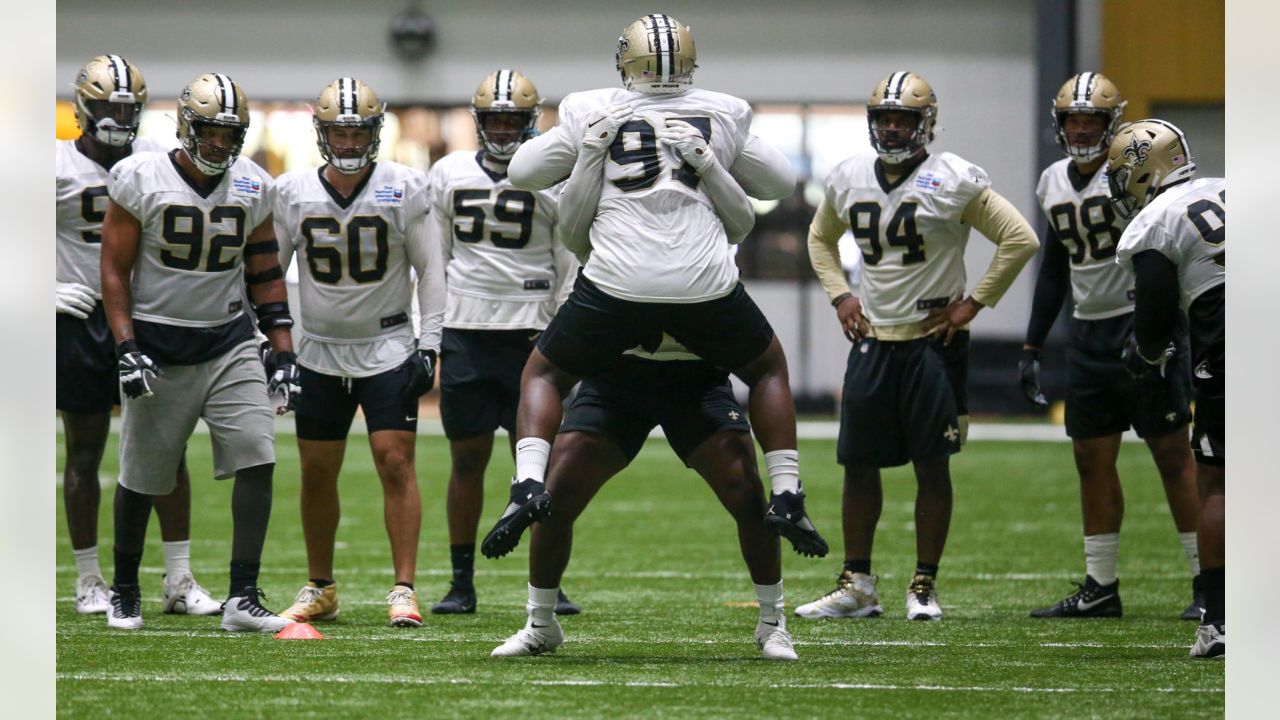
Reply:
x=854, y=597
x=773, y=639
x=92, y=595
x=533, y=639
x=1210, y=642
x=922, y=599
x=244, y=612
x=184, y=596
x=126, y=608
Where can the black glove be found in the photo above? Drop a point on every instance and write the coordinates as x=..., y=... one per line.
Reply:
x=1029, y=378
x=421, y=367
x=1140, y=367
x=136, y=370
x=264, y=352
x=284, y=379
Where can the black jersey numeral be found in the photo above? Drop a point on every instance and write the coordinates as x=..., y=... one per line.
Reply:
x=183, y=231
x=637, y=144
x=325, y=257
x=1213, y=234
x=509, y=206
x=1088, y=230
x=92, y=213
x=864, y=221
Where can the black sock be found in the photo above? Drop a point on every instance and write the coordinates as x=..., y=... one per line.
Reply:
x=250, y=511
x=1215, y=610
x=244, y=577
x=132, y=511
x=464, y=562
x=405, y=584
x=858, y=566
x=924, y=568
x=321, y=582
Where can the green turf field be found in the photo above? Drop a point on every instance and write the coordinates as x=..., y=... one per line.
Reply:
x=665, y=630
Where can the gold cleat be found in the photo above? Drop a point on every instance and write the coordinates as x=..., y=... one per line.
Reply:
x=402, y=607
x=314, y=603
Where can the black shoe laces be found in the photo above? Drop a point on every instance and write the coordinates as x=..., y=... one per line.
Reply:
x=250, y=603
x=127, y=603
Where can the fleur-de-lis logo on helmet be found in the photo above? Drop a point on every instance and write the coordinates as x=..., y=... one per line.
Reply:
x=1137, y=150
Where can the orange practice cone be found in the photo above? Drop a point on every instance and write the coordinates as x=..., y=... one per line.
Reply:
x=299, y=631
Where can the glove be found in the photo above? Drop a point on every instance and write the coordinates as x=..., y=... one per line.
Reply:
x=264, y=352
x=1029, y=378
x=421, y=367
x=1140, y=367
x=284, y=380
x=687, y=141
x=604, y=128
x=74, y=299
x=136, y=370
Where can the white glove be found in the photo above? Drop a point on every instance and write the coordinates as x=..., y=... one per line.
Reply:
x=604, y=128
x=74, y=299
x=687, y=141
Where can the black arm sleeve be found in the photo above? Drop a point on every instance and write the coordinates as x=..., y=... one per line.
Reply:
x=1052, y=285
x=1157, y=306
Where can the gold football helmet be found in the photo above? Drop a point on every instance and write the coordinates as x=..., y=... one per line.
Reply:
x=212, y=101
x=509, y=104
x=1144, y=158
x=656, y=55
x=110, y=93
x=1088, y=93
x=902, y=92
x=348, y=103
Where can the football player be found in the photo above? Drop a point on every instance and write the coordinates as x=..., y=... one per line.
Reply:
x=904, y=390
x=505, y=279
x=1102, y=400
x=184, y=233
x=667, y=215
x=1176, y=247
x=110, y=95
x=358, y=225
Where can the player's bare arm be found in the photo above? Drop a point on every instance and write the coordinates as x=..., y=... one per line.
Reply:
x=121, y=236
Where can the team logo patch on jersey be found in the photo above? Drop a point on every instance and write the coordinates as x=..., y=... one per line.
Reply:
x=929, y=182
x=389, y=195
x=246, y=186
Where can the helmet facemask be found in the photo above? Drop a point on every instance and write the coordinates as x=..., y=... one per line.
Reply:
x=516, y=126
x=1085, y=154
x=1088, y=93
x=895, y=145
x=347, y=158
x=110, y=95
x=204, y=144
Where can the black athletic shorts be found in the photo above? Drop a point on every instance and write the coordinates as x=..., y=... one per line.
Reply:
x=592, y=329
x=87, y=376
x=480, y=379
x=327, y=404
x=1209, y=434
x=902, y=401
x=1102, y=399
x=690, y=400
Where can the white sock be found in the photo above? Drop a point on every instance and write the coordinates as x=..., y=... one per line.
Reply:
x=783, y=467
x=1100, y=553
x=770, y=599
x=531, y=459
x=177, y=557
x=1189, y=546
x=542, y=603
x=87, y=562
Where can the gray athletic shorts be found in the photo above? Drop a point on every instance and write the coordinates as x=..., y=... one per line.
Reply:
x=228, y=392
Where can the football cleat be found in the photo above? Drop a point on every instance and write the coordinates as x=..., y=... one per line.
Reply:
x=854, y=597
x=1211, y=642
x=773, y=639
x=565, y=606
x=1195, y=611
x=402, y=607
x=922, y=599
x=533, y=639
x=314, y=603
x=786, y=517
x=126, y=608
x=1089, y=601
x=244, y=612
x=528, y=504
x=458, y=601
x=184, y=596
x=92, y=595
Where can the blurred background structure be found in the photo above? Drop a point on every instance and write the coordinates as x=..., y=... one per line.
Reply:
x=807, y=67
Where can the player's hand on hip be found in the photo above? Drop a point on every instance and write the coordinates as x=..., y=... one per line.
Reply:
x=136, y=370
x=1029, y=377
x=421, y=369
x=285, y=380
x=852, y=321
x=603, y=128
x=687, y=141
x=950, y=319
x=74, y=299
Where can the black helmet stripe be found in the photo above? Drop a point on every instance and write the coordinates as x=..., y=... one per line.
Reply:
x=1084, y=86
x=894, y=86
x=228, y=94
x=347, y=96
x=121, y=70
x=503, y=85
x=656, y=43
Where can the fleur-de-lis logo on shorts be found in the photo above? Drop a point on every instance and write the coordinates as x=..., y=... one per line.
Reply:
x=1137, y=150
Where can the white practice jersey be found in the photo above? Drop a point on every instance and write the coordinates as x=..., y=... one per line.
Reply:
x=910, y=233
x=656, y=236
x=354, y=281
x=1187, y=224
x=503, y=270
x=1080, y=214
x=81, y=197
x=190, y=265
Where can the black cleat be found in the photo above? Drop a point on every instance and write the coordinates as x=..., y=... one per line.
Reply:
x=565, y=606
x=1195, y=610
x=786, y=517
x=529, y=503
x=458, y=601
x=1090, y=600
